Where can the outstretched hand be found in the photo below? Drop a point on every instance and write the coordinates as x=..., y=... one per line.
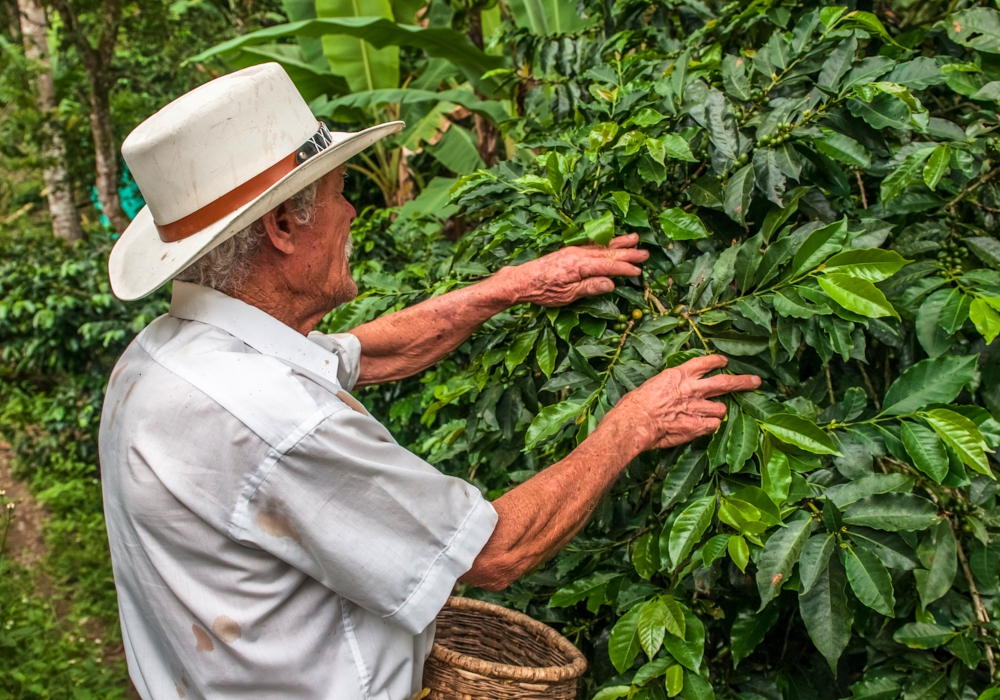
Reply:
x=674, y=407
x=566, y=275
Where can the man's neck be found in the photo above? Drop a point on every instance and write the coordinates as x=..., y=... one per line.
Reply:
x=296, y=310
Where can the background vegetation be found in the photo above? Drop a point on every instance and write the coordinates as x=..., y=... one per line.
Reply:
x=816, y=186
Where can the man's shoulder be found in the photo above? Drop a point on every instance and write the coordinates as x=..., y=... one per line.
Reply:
x=262, y=392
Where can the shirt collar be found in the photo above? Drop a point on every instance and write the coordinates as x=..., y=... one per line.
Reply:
x=258, y=329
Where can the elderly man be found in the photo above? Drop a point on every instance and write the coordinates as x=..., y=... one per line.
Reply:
x=269, y=537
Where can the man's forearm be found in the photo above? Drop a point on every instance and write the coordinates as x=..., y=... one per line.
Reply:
x=405, y=342
x=540, y=516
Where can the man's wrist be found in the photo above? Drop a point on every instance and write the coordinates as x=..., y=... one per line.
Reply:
x=506, y=286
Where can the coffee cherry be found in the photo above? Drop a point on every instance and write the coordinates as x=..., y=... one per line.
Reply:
x=622, y=318
x=637, y=314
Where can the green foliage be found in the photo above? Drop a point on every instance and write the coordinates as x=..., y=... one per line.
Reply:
x=815, y=189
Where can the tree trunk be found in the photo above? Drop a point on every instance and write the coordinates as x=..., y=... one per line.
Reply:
x=487, y=135
x=97, y=64
x=105, y=154
x=65, y=217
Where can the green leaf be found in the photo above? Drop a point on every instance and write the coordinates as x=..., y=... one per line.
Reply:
x=720, y=121
x=688, y=651
x=613, y=692
x=844, y=495
x=749, y=630
x=923, y=635
x=645, y=557
x=901, y=176
x=652, y=626
x=937, y=166
x=747, y=260
x=930, y=381
x=938, y=552
x=457, y=151
x=678, y=225
x=781, y=552
x=869, y=264
x=519, y=350
x=887, y=546
x=826, y=614
x=926, y=450
x=580, y=590
x=742, y=439
x=976, y=28
x=799, y=432
x=697, y=688
x=684, y=476
x=689, y=528
x=600, y=230
x=857, y=295
x=986, y=249
x=966, y=650
x=669, y=146
x=739, y=552
x=838, y=63
x=713, y=549
x=814, y=559
x=985, y=318
x=954, y=311
x=674, y=680
x=768, y=175
x=869, y=580
x=776, y=477
x=962, y=435
x=675, y=621
x=843, y=148
x=545, y=352
x=821, y=244
x=885, y=111
x=893, y=512
x=734, y=77
x=623, y=645
x=546, y=17
x=549, y=420
x=736, y=197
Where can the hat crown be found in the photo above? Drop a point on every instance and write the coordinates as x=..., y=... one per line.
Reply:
x=215, y=138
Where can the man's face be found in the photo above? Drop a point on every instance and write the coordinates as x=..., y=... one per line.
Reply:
x=323, y=247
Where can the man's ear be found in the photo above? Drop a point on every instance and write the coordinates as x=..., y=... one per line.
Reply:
x=277, y=224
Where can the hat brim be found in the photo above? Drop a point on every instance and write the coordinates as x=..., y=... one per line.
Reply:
x=140, y=262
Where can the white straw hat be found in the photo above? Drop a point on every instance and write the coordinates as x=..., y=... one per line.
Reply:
x=215, y=160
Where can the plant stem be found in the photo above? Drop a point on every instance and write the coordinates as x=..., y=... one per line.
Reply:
x=973, y=187
x=980, y=609
x=871, y=387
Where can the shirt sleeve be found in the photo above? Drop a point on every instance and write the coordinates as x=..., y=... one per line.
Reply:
x=369, y=520
x=347, y=348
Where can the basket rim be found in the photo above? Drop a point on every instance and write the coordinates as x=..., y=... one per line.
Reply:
x=574, y=669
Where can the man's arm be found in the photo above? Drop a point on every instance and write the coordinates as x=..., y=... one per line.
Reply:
x=540, y=516
x=401, y=344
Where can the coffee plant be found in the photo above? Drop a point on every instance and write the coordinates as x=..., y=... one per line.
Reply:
x=816, y=187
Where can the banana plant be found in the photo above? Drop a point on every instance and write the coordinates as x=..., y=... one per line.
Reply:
x=346, y=64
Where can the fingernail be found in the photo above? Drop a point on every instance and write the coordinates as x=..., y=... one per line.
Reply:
x=607, y=286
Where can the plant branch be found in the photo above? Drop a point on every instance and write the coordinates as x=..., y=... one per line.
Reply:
x=978, y=603
x=973, y=187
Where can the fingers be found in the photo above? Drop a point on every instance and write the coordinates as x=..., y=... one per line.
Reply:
x=627, y=241
x=727, y=383
x=711, y=409
x=699, y=366
x=607, y=268
x=592, y=286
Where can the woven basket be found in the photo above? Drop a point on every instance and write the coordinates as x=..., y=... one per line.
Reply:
x=486, y=652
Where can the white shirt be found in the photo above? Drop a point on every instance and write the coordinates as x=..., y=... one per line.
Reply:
x=269, y=538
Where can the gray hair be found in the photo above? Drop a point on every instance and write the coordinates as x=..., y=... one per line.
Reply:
x=226, y=266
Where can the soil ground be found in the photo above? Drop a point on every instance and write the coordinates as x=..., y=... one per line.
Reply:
x=26, y=545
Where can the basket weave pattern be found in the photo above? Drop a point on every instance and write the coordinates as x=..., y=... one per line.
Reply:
x=483, y=651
